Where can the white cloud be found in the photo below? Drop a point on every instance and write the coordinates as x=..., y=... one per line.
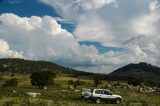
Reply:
x=95, y=4
x=6, y=52
x=154, y=5
x=80, y=4
x=147, y=27
x=43, y=38
x=73, y=8
x=147, y=24
x=93, y=29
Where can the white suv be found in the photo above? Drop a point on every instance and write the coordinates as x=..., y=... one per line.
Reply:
x=99, y=95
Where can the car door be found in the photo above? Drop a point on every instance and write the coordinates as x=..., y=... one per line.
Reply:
x=106, y=95
x=97, y=93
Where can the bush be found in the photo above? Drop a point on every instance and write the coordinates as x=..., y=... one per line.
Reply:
x=11, y=83
x=152, y=83
x=42, y=79
x=97, y=80
x=117, y=84
x=135, y=82
x=75, y=83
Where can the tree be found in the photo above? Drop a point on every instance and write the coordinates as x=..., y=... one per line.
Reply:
x=97, y=80
x=75, y=83
x=42, y=79
x=135, y=82
x=11, y=83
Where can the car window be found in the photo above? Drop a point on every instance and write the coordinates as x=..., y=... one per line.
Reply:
x=107, y=93
x=98, y=91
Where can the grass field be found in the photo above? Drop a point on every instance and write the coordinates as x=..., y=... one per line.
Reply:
x=63, y=96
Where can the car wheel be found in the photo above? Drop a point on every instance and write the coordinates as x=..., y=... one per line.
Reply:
x=86, y=95
x=118, y=101
x=98, y=100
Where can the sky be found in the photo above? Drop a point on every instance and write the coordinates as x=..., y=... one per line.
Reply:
x=89, y=35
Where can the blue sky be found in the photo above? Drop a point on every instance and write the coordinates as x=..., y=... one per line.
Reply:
x=27, y=8
x=88, y=35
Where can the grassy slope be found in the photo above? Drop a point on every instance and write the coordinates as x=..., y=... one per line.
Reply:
x=54, y=96
x=141, y=70
x=28, y=66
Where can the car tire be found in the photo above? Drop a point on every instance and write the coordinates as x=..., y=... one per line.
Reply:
x=98, y=100
x=87, y=95
x=118, y=101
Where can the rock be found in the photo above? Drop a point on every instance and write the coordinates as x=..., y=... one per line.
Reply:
x=107, y=86
x=77, y=90
x=137, y=88
x=45, y=87
x=33, y=94
x=125, y=87
x=14, y=91
x=64, y=90
x=129, y=87
x=155, y=88
x=71, y=87
x=142, y=85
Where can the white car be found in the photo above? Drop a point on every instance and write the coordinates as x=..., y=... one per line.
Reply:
x=99, y=95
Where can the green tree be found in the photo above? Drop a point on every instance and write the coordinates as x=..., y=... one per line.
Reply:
x=135, y=82
x=75, y=83
x=11, y=83
x=97, y=80
x=42, y=79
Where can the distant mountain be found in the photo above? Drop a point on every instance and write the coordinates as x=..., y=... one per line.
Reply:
x=28, y=66
x=141, y=71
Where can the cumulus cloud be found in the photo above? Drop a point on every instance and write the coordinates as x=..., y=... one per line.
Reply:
x=6, y=52
x=148, y=24
x=95, y=4
x=154, y=5
x=81, y=4
x=94, y=29
x=43, y=38
x=147, y=28
x=35, y=34
x=73, y=8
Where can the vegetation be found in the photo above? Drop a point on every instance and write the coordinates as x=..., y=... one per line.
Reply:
x=11, y=83
x=141, y=70
x=27, y=67
x=63, y=96
x=135, y=82
x=42, y=79
x=97, y=80
x=75, y=83
x=27, y=73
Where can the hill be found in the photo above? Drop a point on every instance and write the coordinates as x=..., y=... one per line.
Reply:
x=28, y=66
x=140, y=71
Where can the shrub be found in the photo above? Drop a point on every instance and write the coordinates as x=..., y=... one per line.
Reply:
x=135, y=82
x=97, y=80
x=11, y=83
x=75, y=83
x=117, y=84
x=42, y=79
